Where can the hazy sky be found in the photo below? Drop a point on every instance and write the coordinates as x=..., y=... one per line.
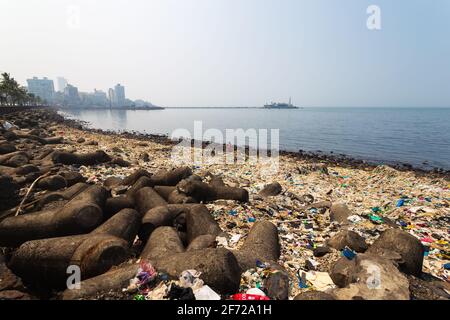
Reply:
x=236, y=52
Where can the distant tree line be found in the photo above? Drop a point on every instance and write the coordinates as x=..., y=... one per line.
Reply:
x=12, y=94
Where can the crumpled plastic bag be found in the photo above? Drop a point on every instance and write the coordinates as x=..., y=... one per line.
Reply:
x=320, y=280
x=145, y=274
x=7, y=125
x=222, y=242
x=206, y=293
x=158, y=293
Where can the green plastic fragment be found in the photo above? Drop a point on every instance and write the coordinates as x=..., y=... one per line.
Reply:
x=376, y=218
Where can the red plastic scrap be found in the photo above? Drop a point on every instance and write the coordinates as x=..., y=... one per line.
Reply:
x=248, y=297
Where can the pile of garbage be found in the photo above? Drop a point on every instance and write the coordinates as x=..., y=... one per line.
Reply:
x=138, y=227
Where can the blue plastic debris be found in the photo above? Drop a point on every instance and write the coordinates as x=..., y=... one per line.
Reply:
x=348, y=253
x=251, y=219
x=260, y=264
x=403, y=223
x=163, y=277
x=233, y=212
x=447, y=266
x=302, y=285
x=302, y=280
x=400, y=203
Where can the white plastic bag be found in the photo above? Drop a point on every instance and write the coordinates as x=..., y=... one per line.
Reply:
x=206, y=293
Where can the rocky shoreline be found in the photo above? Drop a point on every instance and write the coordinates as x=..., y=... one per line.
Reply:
x=139, y=227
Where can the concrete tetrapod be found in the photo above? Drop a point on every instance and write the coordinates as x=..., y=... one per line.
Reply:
x=45, y=262
x=262, y=244
x=80, y=215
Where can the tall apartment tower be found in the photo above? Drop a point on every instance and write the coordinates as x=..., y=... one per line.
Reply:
x=71, y=95
x=112, y=98
x=62, y=83
x=119, y=92
x=42, y=88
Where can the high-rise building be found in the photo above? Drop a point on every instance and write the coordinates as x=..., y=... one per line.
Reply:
x=42, y=88
x=112, y=98
x=119, y=92
x=98, y=98
x=62, y=84
x=71, y=96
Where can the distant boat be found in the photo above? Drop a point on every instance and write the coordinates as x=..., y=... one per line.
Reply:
x=280, y=105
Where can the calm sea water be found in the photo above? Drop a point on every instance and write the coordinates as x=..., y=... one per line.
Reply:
x=419, y=136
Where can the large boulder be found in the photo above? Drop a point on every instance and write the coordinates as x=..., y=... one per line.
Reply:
x=271, y=190
x=277, y=283
x=348, y=238
x=373, y=278
x=322, y=251
x=340, y=212
x=341, y=271
x=406, y=250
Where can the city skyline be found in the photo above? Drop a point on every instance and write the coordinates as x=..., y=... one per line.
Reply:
x=68, y=94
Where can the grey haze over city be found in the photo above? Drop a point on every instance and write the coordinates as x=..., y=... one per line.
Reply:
x=201, y=53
